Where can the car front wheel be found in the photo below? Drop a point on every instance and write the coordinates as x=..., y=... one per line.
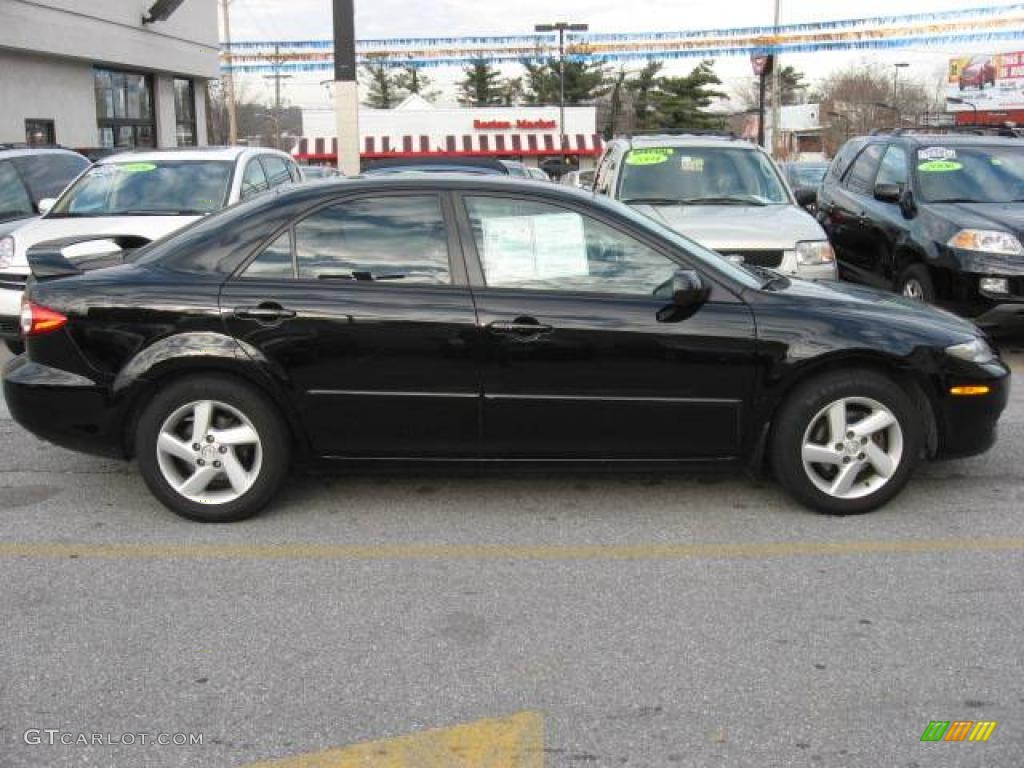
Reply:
x=212, y=449
x=847, y=442
x=915, y=283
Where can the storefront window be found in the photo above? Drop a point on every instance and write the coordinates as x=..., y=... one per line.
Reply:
x=185, y=112
x=124, y=109
x=40, y=133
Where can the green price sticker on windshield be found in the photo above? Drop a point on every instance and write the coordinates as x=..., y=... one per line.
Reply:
x=940, y=166
x=136, y=167
x=648, y=156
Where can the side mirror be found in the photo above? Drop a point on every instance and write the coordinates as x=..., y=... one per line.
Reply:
x=805, y=196
x=888, y=193
x=45, y=205
x=689, y=289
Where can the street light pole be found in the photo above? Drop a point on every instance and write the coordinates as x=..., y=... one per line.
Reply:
x=777, y=90
x=972, y=105
x=561, y=27
x=895, y=98
x=229, y=81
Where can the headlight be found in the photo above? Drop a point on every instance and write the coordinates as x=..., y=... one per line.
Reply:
x=6, y=251
x=994, y=284
x=976, y=351
x=814, y=253
x=987, y=240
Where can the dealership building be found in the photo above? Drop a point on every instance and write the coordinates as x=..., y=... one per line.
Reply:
x=418, y=129
x=106, y=73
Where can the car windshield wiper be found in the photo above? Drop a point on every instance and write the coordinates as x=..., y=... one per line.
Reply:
x=724, y=200
x=956, y=200
x=653, y=201
x=770, y=276
x=357, y=276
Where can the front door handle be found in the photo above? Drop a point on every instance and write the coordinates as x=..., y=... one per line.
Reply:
x=522, y=328
x=265, y=313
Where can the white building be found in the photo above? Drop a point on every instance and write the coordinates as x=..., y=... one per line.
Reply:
x=417, y=128
x=94, y=74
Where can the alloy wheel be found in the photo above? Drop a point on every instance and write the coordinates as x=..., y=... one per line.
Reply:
x=209, y=452
x=913, y=289
x=852, y=447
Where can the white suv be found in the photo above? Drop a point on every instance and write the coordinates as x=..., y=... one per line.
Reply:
x=723, y=192
x=145, y=195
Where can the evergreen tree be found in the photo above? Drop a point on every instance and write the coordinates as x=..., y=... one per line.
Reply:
x=680, y=102
x=512, y=91
x=641, y=87
x=409, y=79
x=481, y=85
x=585, y=81
x=379, y=77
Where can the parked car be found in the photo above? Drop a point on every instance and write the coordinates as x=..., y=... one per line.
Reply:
x=805, y=174
x=138, y=196
x=29, y=175
x=316, y=172
x=476, y=166
x=538, y=174
x=421, y=318
x=979, y=72
x=517, y=169
x=579, y=179
x=939, y=219
x=725, y=193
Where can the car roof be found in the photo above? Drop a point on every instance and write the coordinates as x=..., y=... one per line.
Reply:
x=6, y=153
x=953, y=139
x=188, y=154
x=689, y=140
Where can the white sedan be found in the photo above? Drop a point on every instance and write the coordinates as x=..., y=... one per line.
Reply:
x=141, y=195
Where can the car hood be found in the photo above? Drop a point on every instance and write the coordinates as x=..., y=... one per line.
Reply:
x=1004, y=216
x=6, y=227
x=738, y=227
x=44, y=229
x=871, y=312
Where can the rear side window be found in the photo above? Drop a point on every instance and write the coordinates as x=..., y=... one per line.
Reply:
x=254, y=180
x=276, y=169
x=14, y=199
x=275, y=261
x=48, y=175
x=399, y=239
x=860, y=178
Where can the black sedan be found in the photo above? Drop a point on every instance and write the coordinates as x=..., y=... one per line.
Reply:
x=446, y=318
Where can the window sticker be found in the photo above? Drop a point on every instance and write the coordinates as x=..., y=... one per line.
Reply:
x=940, y=166
x=135, y=167
x=691, y=164
x=522, y=248
x=936, y=153
x=654, y=156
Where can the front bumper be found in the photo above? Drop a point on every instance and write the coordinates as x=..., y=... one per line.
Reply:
x=64, y=408
x=968, y=425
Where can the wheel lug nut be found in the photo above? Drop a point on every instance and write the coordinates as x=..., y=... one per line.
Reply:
x=200, y=462
x=209, y=438
x=223, y=449
x=850, y=434
x=863, y=441
x=216, y=464
x=846, y=459
x=195, y=446
x=860, y=457
x=839, y=446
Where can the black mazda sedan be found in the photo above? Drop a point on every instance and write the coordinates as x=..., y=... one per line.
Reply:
x=431, y=319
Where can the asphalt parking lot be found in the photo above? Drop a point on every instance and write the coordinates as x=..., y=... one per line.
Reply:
x=624, y=619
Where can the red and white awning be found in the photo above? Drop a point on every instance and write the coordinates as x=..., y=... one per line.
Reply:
x=465, y=145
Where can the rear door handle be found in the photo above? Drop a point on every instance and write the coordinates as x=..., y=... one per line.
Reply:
x=264, y=313
x=523, y=328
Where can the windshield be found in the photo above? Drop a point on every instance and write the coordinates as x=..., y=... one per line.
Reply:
x=152, y=188
x=970, y=174
x=700, y=176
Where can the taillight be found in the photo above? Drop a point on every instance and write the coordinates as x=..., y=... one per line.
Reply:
x=37, y=320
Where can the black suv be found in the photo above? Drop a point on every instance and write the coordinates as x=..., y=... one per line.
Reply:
x=939, y=218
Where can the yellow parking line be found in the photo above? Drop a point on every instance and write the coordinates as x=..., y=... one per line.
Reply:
x=511, y=742
x=426, y=551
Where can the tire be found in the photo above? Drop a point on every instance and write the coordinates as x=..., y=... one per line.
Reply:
x=16, y=347
x=243, y=457
x=915, y=282
x=804, y=430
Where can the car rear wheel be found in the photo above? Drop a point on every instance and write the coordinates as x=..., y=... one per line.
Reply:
x=212, y=449
x=847, y=442
x=916, y=283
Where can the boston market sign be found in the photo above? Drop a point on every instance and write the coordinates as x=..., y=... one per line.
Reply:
x=519, y=125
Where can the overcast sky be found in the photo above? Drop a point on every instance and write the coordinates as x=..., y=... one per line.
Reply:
x=311, y=19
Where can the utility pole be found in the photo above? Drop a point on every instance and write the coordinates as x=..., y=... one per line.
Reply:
x=777, y=89
x=346, y=86
x=229, y=77
x=561, y=28
x=277, y=77
x=895, y=93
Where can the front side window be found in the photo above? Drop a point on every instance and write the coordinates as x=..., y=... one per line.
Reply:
x=147, y=188
x=276, y=261
x=254, y=180
x=401, y=240
x=47, y=175
x=862, y=173
x=700, y=176
x=14, y=200
x=893, y=169
x=537, y=246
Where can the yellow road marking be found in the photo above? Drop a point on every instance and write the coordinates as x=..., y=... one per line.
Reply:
x=512, y=742
x=424, y=551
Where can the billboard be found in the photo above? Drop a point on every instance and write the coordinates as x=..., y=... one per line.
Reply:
x=989, y=81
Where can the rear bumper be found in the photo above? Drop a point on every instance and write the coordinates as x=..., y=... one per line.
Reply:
x=12, y=286
x=968, y=425
x=64, y=408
